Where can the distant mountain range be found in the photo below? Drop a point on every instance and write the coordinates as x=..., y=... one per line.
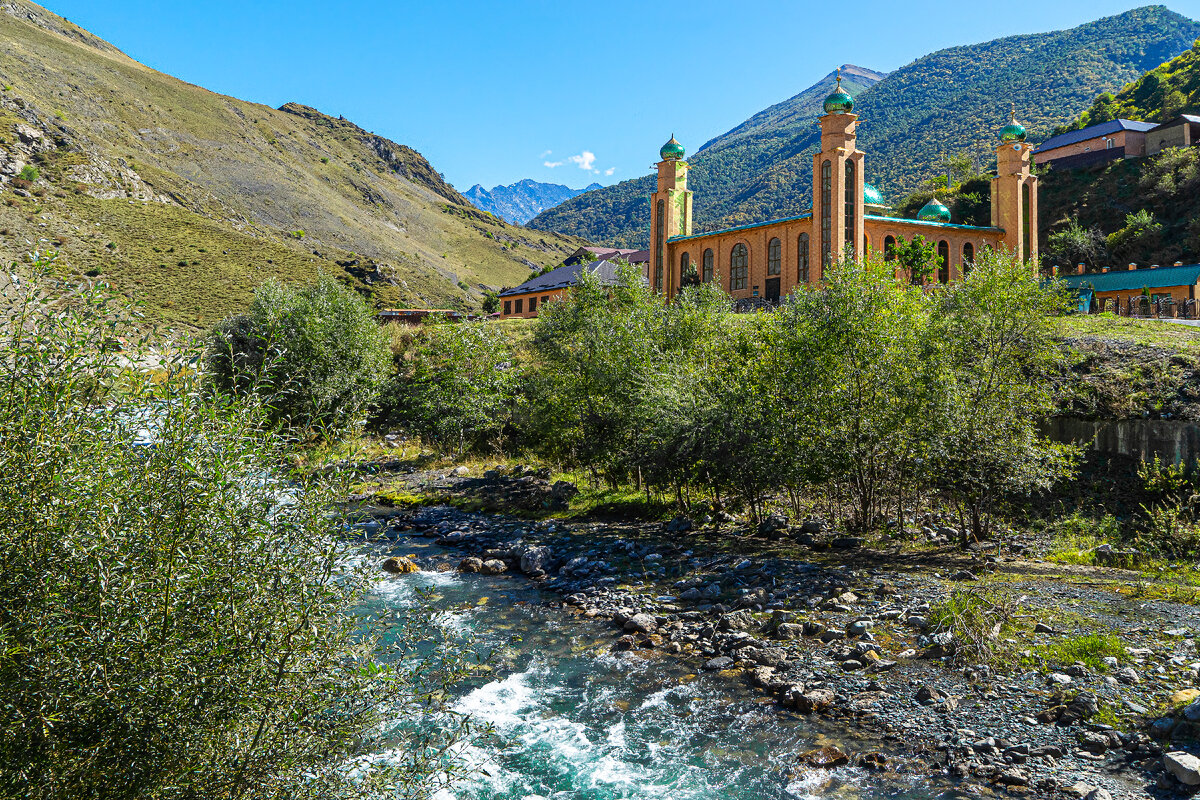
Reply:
x=952, y=101
x=188, y=199
x=522, y=201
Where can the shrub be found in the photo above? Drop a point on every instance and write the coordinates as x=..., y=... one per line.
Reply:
x=29, y=173
x=456, y=386
x=314, y=353
x=178, y=621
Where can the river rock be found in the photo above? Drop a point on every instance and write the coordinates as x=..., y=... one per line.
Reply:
x=641, y=623
x=789, y=630
x=718, y=663
x=493, y=566
x=875, y=762
x=1129, y=676
x=1191, y=712
x=399, y=565
x=813, y=700
x=1184, y=766
x=774, y=526
x=471, y=564
x=535, y=560
x=827, y=757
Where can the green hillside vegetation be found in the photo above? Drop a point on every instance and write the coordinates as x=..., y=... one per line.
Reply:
x=1160, y=95
x=187, y=199
x=1139, y=210
x=950, y=102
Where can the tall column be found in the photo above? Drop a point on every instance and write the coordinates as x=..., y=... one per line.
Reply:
x=1015, y=191
x=670, y=215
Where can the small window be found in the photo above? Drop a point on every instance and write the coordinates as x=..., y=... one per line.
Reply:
x=520, y=305
x=889, y=248
x=739, y=268
x=685, y=261
x=774, y=257
x=968, y=258
x=532, y=304
x=802, y=258
x=545, y=299
x=707, y=262
x=507, y=307
x=944, y=267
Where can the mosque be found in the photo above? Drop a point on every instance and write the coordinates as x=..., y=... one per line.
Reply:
x=767, y=260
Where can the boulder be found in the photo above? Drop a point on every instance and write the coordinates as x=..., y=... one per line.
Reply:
x=827, y=757
x=399, y=565
x=641, y=623
x=471, y=564
x=560, y=495
x=494, y=566
x=1184, y=766
x=536, y=560
x=774, y=526
x=1191, y=712
x=718, y=663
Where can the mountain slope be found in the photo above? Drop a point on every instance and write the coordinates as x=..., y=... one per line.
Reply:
x=949, y=102
x=1158, y=96
x=188, y=199
x=721, y=171
x=522, y=201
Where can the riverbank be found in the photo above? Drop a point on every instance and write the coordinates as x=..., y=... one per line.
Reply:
x=989, y=668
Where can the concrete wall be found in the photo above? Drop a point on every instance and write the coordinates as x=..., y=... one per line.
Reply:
x=1171, y=440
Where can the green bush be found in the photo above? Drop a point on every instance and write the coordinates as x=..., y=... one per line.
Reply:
x=456, y=386
x=29, y=173
x=175, y=620
x=315, y=354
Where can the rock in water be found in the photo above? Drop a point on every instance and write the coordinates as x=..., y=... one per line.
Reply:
x=470, y=564
x=641, y=623
x=399, y=565
x=493, y=566
x=826, y=757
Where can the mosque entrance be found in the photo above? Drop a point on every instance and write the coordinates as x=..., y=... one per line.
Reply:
x=772, y=290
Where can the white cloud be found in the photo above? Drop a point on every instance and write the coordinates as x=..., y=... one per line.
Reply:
x=610, y=170
x=546, y=153
x=584, y=160
x=553, y=164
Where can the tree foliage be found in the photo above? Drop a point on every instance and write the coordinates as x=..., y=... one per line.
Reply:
x=177, y=620
x=314, y=353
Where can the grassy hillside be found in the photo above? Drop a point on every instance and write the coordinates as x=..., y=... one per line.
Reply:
x=950, y=102
x=188, y=199
x=1160, y=95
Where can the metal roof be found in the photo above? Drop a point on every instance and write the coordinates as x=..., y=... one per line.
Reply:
x=1127, y=280
x=1094, y=132
x=567, y=276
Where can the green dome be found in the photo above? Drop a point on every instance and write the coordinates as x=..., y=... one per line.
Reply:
x=1013, y=131
x=672, y=150
x=839, y=102
x=934, y=211
x=872, y=197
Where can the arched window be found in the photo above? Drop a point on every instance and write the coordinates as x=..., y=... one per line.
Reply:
x=826, y=212
x=1027, y=248
x=707, y=266
x=739, y=268
x=774, y=257
x=889, y=248
x=850, y=209
x=944, y=267
x=661, y=213
x=802, y=258
x=685, y=261
x=968, y=258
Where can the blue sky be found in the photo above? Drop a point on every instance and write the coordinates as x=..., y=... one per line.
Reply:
x=492, y=92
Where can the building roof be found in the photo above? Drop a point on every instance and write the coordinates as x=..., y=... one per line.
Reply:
x=1126, y=280
x=739, y=228
x=1093, y=132
x=603, y=253
x=954, y=225
x=567, y=276
x=1192, y=118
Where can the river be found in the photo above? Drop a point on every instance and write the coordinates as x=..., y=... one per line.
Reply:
x=575, y=721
